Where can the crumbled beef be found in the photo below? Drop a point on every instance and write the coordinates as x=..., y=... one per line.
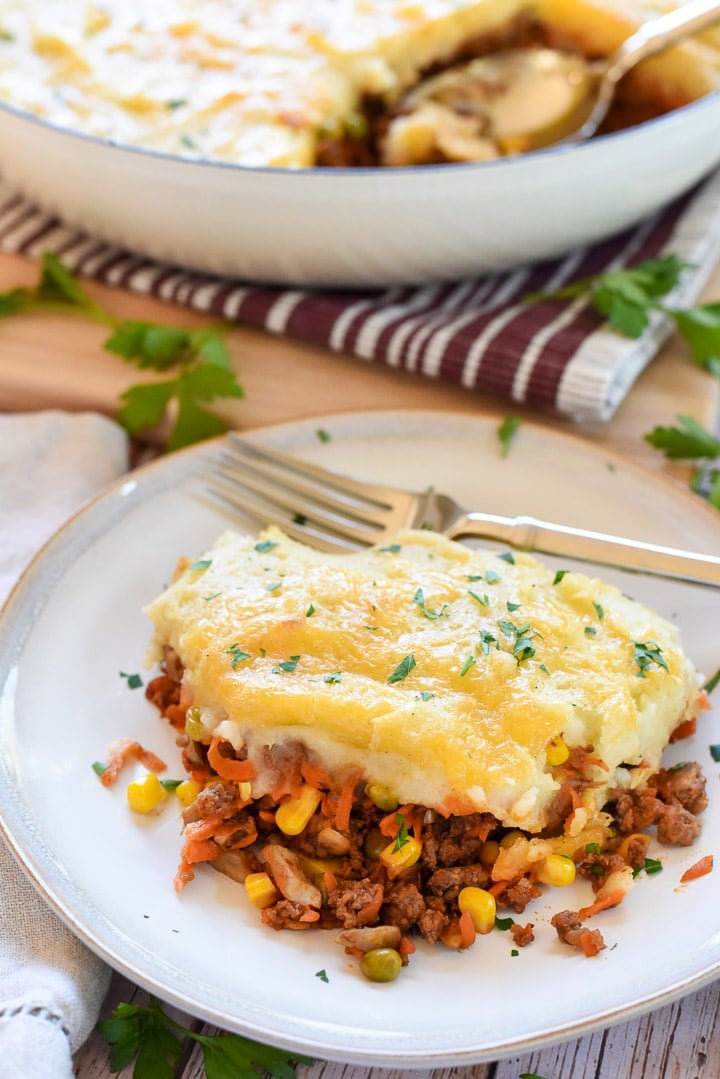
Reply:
x=448, y=882
x=522, y=935
x=432, y=924
x=520, y=893
x=683, y=785
x=598, y=867
x=220, y=799
x=404, y=906
x=285, y=914
x=677, y=826
x=356, y=903
x=571, y=931
x=634, y=810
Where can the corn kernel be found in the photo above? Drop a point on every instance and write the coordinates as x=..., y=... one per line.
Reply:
x=489, y=852
x=556, y=751
x=510, y=838
x=406, y=855
x=188, y=790
x=382, y=797
x=292, y=816
x=557, y=870
x=481, y=907
x=260, y=890
x=245, y=790
x=145, y=794
x=194, y=727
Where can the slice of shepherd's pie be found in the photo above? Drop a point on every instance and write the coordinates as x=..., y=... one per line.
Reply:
x=398, y=741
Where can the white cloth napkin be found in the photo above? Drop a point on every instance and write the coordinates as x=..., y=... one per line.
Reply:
x=51, y=985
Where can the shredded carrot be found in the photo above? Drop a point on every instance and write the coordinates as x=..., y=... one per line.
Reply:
x=406, y=947
x=267, y=815
x=389, y=825
x=183, y=876
x=684, y=730
x=200, y=850
x=596, y=762
x=202, y=829
x=467, y=930
x=369, y=913
x=329, y=880
x=314, y=775
x=602, y=903
x=226, y=767
x=344, y=805
x=588, y=943
x=700, y=869
x=121, y=752
x=310, y=916
x=176, y=715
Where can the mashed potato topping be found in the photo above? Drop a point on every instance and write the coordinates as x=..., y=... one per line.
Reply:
x=445, y=674
x=266, y=82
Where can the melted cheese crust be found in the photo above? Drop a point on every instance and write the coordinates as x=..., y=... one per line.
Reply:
x=437, y=670
x=257, y=81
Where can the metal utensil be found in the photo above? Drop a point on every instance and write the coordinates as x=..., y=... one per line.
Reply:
x=335, y=512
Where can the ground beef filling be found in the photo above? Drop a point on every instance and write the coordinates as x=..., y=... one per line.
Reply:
x=345, y=868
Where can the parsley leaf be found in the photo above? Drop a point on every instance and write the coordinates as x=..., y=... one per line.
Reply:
x=689, y=440
x=506, y=432
x=647, y=653
x=199, y=359
x=147, y=1035
x=402, y=670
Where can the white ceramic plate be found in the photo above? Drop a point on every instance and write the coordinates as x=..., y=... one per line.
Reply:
x=362, y=226
x=75, y=622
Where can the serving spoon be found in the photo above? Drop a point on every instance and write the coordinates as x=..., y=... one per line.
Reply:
x=528, y=98
x=651, y=38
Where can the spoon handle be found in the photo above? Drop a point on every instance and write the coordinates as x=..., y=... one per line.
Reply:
x=659, y=33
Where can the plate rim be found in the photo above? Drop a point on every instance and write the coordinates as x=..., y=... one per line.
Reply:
x=109, y=952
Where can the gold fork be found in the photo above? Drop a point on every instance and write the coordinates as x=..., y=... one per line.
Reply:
x=335, y=512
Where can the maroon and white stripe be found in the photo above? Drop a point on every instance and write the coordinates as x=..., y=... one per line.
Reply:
x=479, y=333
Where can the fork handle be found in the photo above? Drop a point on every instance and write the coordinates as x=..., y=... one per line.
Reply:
x=579, y=544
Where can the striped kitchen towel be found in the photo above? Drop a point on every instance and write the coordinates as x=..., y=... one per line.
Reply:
x=479, y=333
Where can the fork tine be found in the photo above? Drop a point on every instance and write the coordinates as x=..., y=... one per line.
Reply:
x=304, y=495
x=236, y=498
x=273, y=501
x=324, y=481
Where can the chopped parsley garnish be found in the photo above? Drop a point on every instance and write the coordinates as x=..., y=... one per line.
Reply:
x=322, y=975
x=504, y=923
x=266, y=545
x=514, y=952
x=492, y=577
x=202, y=563
x=425, y=695
x=523, y=647
x=469, y=662
x=287, y=665
x=678, y=767
x=650, y=866
x=506, y=432
x=403, y=835
x=712, y=682
x=419, y=600
x=647, y=653
x=323, y=435
x=273, y=587
x=715, y=753
x=170, y=785
x=508, y=556
x=333, y=678
x=559, y=575
x=134, y=681
x=310, y=611
x=237, y=655
x=402, y=670
x=599, y=610
x=486, y=639
x=98, y=768
x=483, y=600
x=590, y=631
x=144, y=1033
x=513, y=606
x=392, y=548
x=213, y=596
x=592, y=848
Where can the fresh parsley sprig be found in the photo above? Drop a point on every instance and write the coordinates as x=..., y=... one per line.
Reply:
x=147, y=1035
x=198, y=359
x=628, y=298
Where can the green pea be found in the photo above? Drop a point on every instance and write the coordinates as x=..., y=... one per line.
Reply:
x=374, y=844
x=381, y=964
